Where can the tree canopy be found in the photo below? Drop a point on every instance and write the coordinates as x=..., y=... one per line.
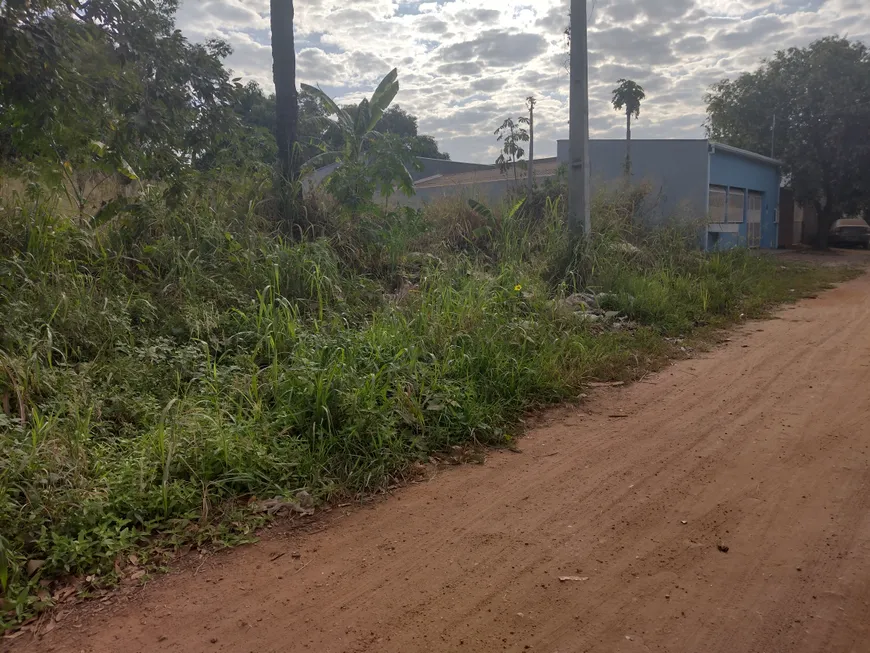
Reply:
x=627, y=96
x=818, y=98
x=257, y=110
x=112, y=78
x=114, y=84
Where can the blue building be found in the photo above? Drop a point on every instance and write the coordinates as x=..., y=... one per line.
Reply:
x=735, y=193
x=743, y=198
x=735, y=190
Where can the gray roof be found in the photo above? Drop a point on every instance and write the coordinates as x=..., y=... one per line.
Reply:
x=746, y=154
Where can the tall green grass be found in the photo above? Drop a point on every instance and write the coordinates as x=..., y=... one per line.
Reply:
x=162, y=367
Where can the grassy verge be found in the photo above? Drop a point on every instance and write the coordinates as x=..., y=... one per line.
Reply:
x=162, y=369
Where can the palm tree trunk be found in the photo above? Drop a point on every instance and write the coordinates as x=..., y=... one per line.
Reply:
x=628, y=145
x=284, y=74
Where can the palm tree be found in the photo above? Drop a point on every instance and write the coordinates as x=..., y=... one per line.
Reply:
x=628, y=96
x=284, y=74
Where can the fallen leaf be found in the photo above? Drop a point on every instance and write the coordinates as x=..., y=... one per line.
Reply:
x=278, y=505
x=64, y=593
x=14, y=635
x=136, y=575
x=134, y=560
x=573, y=578
x=33, y=566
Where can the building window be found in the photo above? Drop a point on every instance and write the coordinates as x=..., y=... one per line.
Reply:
x=718, y=196
x=726, y=204
x=736, y=204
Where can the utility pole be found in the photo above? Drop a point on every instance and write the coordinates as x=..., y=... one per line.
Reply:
x=531, y=102
x=578, y=175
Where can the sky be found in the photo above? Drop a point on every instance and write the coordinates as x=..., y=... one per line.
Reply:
x=466, y=65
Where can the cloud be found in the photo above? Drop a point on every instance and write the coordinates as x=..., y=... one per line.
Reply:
x=465, y=65
x=315, y=64
x=748, y=32
x=623, y=11
x=472, y=17
x=633, y=46
x=460, y=68
x=496, y=48
x=488, y=84
x=431, y=25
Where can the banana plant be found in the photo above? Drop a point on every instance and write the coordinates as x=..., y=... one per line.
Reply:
x=370, y=162
x=359, y=130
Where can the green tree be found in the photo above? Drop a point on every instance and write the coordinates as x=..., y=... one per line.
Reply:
x=401, y=123
x=818, y=97
x=397, y=121
x=286, y=97
x=427, y=147
x=627, y=97
x=511, y=135
x=131, y=87
x=317, y=133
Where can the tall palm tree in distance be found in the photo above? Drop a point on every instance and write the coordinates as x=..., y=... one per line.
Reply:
x=286, y=97
x=628, y=96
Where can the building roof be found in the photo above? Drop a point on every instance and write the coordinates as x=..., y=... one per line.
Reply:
x=543, y=168
x=746, y=154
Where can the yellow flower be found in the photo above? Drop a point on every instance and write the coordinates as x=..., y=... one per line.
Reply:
x=518, y=287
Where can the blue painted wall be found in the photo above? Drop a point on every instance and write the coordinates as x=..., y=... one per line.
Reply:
x=676, y=171
x=728, y=169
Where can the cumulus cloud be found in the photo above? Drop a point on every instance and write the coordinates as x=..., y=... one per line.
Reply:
x=466, y=65
x=496, y=48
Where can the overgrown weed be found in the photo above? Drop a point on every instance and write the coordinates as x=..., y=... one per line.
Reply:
x=163, y=366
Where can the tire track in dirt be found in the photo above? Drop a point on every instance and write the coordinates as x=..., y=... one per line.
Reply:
x=763, y=447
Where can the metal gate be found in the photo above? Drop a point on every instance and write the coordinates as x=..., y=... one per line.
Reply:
x=753, y=219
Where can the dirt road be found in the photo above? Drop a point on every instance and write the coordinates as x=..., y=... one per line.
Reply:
x=762, y=446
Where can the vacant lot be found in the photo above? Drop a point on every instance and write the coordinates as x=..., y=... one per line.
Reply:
x=761, y=448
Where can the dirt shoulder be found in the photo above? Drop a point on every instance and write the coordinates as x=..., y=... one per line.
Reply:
x=761, y=447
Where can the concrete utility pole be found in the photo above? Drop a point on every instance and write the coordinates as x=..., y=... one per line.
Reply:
x=531, y=102
x=578, y=175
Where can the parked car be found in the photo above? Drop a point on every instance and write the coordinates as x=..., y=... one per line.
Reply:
x=850, y=231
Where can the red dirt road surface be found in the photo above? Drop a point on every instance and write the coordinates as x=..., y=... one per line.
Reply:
x=722, y=505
